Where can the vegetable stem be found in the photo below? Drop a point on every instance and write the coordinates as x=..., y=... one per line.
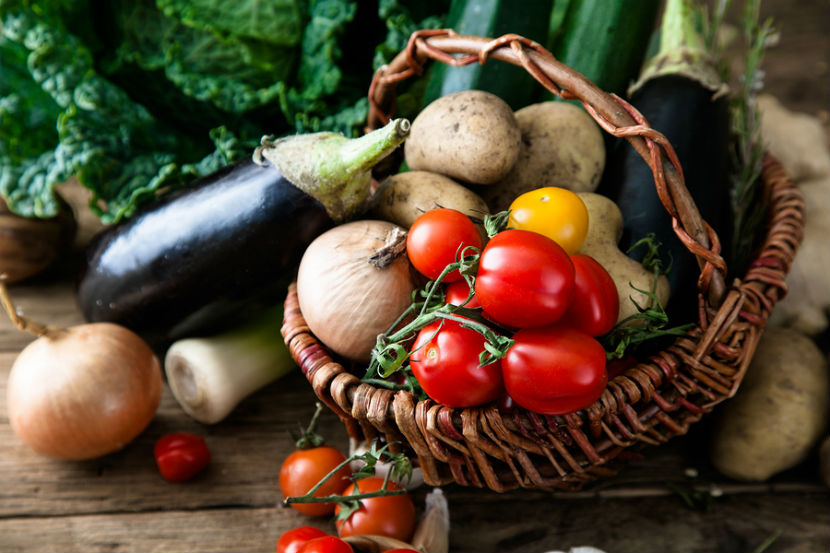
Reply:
x=401, y=467
x=682, y=51
x=389, y=355
x=332, y=168
x=22, y=323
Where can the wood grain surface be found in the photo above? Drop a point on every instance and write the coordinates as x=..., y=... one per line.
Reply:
x=670, y=500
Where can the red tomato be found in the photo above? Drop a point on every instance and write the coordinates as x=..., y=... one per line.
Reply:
x=391, y=515
x=524, y=279
x=458, y=291
x=445, y=361
x=554, y=370
x=293, y=540
x=180, y=456
x=595, y=303
x=435, y=240
x=326, y=544
x=304, y=468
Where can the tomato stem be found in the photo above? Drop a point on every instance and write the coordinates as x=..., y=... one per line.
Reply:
x=495, y=223
x=401, y=468
x=308, y=437
x=390, y=356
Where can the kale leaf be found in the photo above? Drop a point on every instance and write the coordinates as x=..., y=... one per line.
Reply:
x=139, y=97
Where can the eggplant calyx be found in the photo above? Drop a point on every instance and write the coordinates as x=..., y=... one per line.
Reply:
x=682, y=52
x=332, y=168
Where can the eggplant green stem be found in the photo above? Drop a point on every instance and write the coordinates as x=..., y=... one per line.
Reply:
x=332, y=168
x=682, y=51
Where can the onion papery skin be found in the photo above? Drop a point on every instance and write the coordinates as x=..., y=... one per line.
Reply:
x=83, y=392
x=345, y=299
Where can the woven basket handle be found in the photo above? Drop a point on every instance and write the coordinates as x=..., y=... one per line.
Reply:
x=612, y=113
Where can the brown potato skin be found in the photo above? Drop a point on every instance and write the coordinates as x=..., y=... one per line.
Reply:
x=780, y=411
x=469, y=135
x=561, y=146
x=402, y=198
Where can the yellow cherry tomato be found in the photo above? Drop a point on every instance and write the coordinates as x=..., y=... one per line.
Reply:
x=555, y=212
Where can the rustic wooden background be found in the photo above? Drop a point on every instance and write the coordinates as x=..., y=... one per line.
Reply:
x=671, y=501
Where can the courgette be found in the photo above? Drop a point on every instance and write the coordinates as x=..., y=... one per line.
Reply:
x=205, y=258
x=492, y=18
x=606, y=40
x=681, y=95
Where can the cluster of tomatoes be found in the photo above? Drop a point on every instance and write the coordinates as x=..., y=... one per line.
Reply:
x=531, y=284
x=386, y=515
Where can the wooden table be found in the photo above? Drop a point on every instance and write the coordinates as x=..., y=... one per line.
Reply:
x=670, y=501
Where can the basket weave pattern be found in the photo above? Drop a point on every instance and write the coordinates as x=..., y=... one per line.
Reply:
x=646, y=405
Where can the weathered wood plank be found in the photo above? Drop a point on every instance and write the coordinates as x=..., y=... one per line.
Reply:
x=247, y=449
x=479, y=524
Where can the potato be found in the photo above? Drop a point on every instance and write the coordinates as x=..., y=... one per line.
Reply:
x=403, y=197
x=561, y=146
x=605, y=226
x=780, y=411
x=470, y=135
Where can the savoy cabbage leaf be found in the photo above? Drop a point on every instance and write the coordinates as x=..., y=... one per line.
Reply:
x=273, y=21
x=139, y=97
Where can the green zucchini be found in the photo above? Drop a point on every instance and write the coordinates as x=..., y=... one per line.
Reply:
x=492, y=18
x=606, y=40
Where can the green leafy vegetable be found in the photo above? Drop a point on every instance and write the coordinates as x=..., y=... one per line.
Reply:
x=136, y=97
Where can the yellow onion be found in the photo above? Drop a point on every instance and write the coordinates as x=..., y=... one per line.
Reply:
x=354, y=281
x=81, y=392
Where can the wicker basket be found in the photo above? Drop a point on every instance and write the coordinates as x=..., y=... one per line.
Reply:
x=646, y=405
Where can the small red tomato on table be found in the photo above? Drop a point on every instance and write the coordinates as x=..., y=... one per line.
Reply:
x=180, y=456
x=304, y=468
x=387, y=515
x=292, y=540
x=326, y=544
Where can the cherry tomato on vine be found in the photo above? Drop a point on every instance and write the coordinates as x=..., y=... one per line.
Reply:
x=304, y=468
x=391, y=515
x=558, y=213
x=554, y=370
x=445, y=361
x=436, y=238
x=595, y=303
x=180, y=456
x=326, y=544
x=292, y=540
x=457, y=293
x=524, y=279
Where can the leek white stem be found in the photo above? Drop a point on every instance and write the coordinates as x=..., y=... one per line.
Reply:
x=210, y=376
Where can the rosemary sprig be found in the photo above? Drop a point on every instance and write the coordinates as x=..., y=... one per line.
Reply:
x=748, y=202
x=650, y=320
